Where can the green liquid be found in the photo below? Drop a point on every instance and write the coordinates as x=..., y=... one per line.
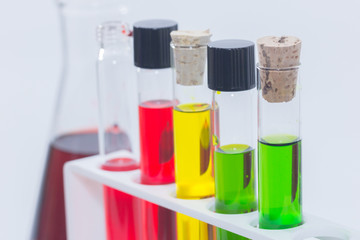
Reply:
x=234, y=183
x=222, y=234
x=235, y=179
x=279, y=182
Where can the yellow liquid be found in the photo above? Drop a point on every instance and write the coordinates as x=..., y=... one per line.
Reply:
x=189, y=228
x=192, y=145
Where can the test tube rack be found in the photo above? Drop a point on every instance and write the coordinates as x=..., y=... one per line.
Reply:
x=85, y=216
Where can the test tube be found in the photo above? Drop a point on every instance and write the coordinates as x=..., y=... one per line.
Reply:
x=117, y=117
x=152, y=59
x=192, y=127
x=231, y=76
x=122, y=211
x=279, y=139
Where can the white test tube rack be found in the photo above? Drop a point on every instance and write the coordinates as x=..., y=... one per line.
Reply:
x=85, y=215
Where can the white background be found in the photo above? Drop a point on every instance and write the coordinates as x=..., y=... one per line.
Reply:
x=30, y=62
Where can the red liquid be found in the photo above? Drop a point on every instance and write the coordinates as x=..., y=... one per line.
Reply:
x=122, y=215
x=158, y=223
x=50, y=219
x=157, y=165
x=122, y=210
x=156, y=142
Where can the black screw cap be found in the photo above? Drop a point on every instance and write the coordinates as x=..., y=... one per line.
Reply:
x=231, y=65
x=152, y=43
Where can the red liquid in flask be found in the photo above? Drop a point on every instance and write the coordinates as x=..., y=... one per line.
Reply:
x=157, y=165
x=156, y=142
x=50, y=222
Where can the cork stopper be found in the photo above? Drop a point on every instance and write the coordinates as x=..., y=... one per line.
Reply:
x=189, y=48
x=279, y=58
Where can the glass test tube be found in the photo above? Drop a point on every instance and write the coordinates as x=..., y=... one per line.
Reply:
x=152, y=57
x=192, y=128
x=231, y=76
x=192, y=125
x=122, y=211
x=117, y=116
x=279, y=140
x=116, y=90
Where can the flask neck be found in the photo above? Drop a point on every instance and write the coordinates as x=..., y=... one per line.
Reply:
x=79, y=19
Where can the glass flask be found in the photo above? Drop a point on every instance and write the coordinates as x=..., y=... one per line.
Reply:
x=279, y=136
x=118, y=127
x=152, y=59
x=75, y=123
x=232, y=79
